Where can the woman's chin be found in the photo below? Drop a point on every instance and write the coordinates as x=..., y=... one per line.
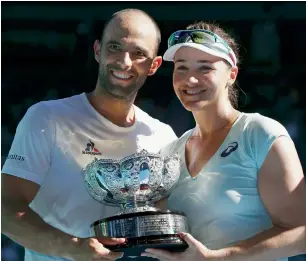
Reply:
x=195, y=106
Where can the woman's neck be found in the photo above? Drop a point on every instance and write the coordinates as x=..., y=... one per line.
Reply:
x=214, y=118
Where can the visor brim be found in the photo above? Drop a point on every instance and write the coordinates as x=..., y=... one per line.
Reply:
x=170, y=53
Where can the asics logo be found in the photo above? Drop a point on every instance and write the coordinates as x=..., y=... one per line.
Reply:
x=230, y=148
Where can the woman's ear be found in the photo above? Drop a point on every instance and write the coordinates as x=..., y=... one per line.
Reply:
x=233, y=75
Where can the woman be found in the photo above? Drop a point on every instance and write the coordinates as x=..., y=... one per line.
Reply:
x=241, y=184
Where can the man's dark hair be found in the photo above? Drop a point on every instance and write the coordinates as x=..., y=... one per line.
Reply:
x=158, y=33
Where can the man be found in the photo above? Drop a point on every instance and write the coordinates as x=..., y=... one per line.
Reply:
x=45, y=205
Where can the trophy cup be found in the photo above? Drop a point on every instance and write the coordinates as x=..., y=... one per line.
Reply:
x=135, y=183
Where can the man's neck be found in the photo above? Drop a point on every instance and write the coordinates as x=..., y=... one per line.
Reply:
x=120, y=112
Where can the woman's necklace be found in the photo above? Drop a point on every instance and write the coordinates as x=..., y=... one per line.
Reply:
x=221, y=127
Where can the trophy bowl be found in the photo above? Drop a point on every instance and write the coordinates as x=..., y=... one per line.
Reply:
x=135, y=183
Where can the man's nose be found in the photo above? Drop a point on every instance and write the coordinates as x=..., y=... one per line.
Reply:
x=125, y=61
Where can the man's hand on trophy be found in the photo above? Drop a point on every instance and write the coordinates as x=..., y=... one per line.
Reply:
x=95, y=249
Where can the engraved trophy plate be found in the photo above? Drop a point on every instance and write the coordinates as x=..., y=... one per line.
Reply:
x=135, y=183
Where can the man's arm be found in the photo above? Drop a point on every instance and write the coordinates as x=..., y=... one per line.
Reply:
x=27, y=228
x=34, y=142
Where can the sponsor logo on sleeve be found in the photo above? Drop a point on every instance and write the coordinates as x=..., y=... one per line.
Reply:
x=15, y=157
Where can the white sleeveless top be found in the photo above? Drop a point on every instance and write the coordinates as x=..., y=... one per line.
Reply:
x=222, y=203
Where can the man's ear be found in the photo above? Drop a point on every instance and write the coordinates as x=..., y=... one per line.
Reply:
x=156, y=63
x=97, y=50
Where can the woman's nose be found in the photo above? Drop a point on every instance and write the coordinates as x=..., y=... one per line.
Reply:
x=192, y=81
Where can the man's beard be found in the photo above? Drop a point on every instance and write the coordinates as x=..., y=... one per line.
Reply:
x=127, y=93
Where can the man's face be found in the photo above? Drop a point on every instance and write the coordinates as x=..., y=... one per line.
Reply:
x=126, y=58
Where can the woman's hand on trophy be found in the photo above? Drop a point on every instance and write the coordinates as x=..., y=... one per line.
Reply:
x=95, y=249
x=195, y=251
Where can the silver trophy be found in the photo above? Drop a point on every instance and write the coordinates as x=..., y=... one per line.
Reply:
x=135, y=183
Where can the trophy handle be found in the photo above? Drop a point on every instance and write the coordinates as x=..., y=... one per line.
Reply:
x=169, y=177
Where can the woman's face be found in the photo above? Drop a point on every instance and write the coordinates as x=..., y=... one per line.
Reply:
x=200, y=79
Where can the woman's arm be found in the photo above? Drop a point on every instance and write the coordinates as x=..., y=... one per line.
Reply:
x=283, y=192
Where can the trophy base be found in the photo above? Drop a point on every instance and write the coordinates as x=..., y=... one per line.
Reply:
x=135, y=246
x=147, y=229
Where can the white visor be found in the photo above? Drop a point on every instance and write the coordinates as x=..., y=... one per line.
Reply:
x=213, y=50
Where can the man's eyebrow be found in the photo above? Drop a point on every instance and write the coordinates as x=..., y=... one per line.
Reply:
x=142, y=49
x=137, y=47
x=113, y=42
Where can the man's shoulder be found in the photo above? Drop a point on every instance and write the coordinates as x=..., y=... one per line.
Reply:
x=71, y=101
x=178, y=145
x=144, y=118
x=57, y=106
x=162, y=132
